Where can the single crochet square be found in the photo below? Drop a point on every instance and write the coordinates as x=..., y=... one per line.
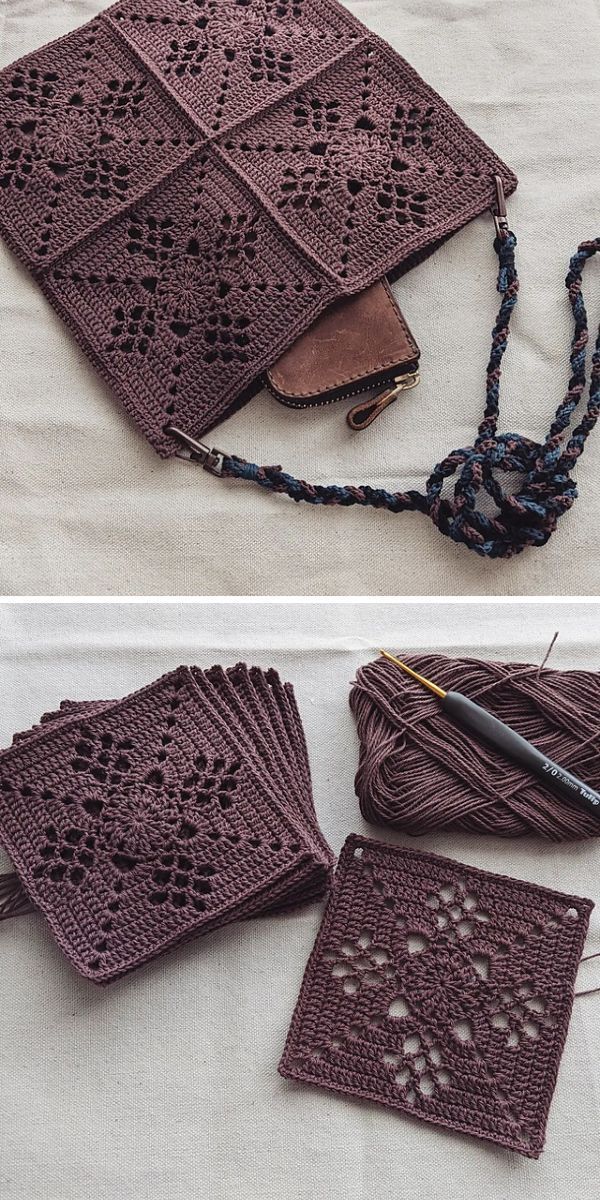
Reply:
x=137, y=824
x=440, y=990
x=193, y=181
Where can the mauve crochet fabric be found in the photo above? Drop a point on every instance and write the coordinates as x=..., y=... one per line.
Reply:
x=137, y=824
x=192, y=181
x=440, y=990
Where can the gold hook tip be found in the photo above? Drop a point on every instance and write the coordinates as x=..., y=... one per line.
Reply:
x=433, y=687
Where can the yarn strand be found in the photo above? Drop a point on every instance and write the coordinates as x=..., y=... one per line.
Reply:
x=526, y=518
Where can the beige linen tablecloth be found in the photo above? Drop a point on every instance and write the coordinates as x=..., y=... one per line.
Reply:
x=87, y=507
x=164, y=1086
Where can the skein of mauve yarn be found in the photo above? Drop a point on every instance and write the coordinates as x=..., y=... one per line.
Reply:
x=420, y=772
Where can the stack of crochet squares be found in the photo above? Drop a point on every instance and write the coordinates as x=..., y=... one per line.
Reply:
x=137, y=824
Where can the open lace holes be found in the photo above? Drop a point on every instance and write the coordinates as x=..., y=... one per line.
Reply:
x=317, y=1052
x=411, y=1044
x=416, y=943
x=380, y=956
x=536, y=1004
x=391, y=1059
x=465, y=928
x=481, y=964
x=525, y=990
x=463, y=1030
x=426, y=1084
x=398, y=1008
x=500, y=1020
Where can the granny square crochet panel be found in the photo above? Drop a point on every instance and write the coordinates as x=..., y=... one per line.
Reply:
x=192, y=181
x=440, y=990
x=136, y=824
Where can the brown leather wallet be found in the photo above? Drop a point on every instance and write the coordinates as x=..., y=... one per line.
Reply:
x=361, y=342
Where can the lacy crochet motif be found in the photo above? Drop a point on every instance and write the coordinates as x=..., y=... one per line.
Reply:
x=137, y=824
x=440, y=990
x=192, y=181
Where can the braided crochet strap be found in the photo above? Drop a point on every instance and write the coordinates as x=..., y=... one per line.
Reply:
x=525, y=518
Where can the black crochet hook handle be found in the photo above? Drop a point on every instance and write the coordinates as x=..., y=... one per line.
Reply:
x=465, y=712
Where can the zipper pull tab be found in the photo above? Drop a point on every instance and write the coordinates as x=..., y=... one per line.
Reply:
x=363, y=414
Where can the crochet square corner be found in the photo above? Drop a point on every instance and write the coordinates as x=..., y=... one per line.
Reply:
x=440, y=990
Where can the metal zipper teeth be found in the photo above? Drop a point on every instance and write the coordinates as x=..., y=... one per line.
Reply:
x=357, y=391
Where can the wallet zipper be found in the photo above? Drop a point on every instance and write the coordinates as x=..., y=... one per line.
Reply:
x=366, y=383
x=398, y=384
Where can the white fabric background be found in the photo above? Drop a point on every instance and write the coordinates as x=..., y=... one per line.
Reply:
x=164, y=1086
x=87, y=507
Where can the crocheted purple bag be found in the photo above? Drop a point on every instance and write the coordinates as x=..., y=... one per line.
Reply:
x=191, y=182
x=137, y=824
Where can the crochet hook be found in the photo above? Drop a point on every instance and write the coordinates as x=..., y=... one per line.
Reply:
x=478, y=720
